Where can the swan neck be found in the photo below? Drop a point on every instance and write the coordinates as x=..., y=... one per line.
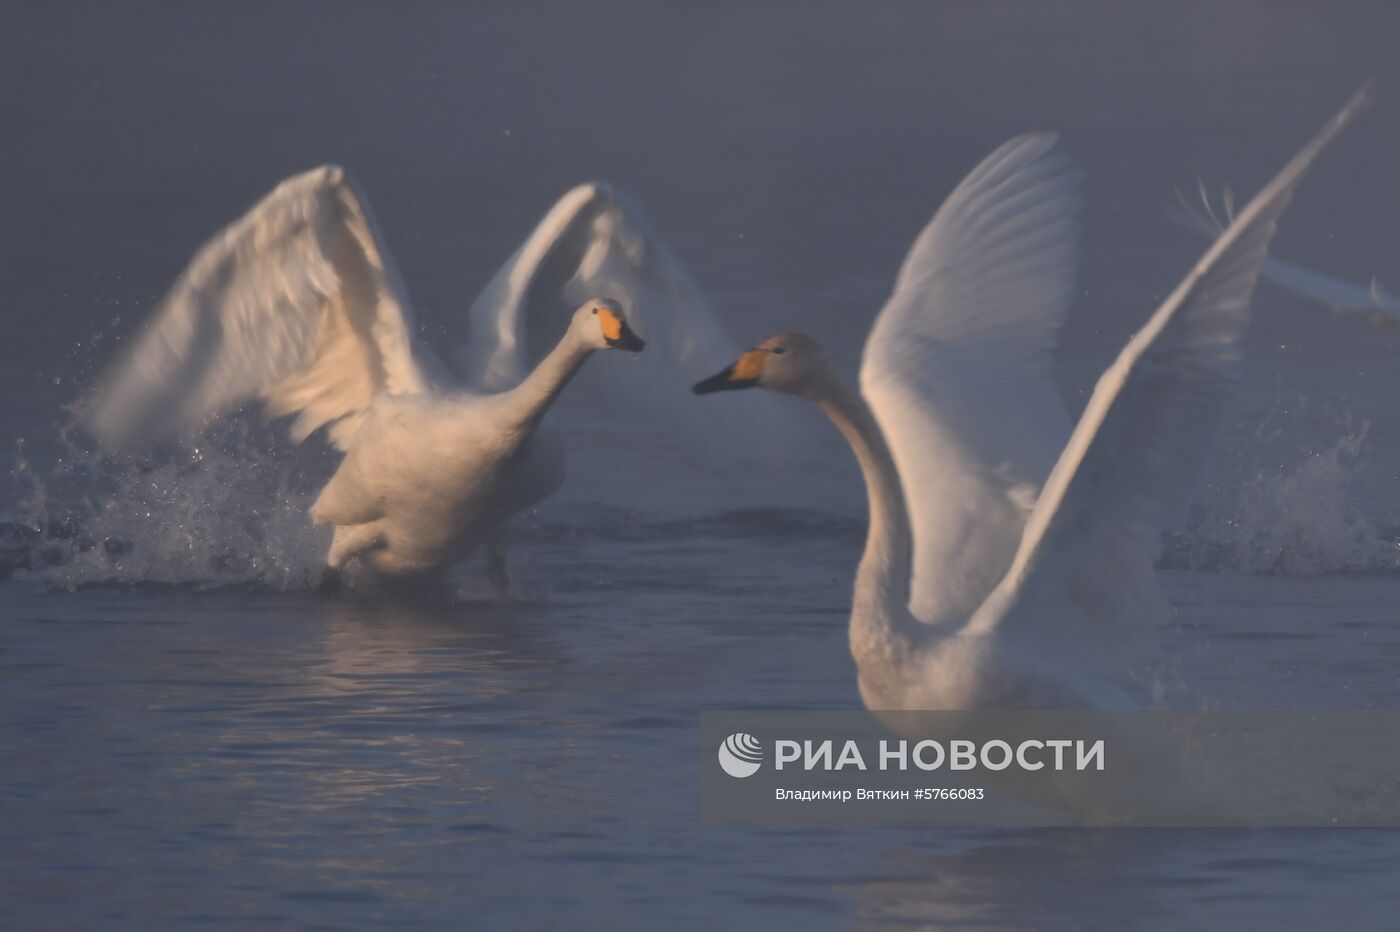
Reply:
x=530, y=399
x=882, y=630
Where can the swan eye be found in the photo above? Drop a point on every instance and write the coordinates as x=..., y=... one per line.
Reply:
x=778, y=350
x=595, y=310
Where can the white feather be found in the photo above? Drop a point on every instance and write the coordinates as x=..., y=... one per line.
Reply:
x=1135, y=454
x=297, y=304
x=1338, y=294
x=959, y=374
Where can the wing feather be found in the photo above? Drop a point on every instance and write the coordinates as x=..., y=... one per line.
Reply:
x=1340, y=295
x=1132, y=461
x=297, y=304
x=595, y=242
x=959, y=373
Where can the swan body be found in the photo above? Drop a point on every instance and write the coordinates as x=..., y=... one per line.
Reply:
x=1009, y=558
x=430, y=477
x=298, y=305
x=432, y=480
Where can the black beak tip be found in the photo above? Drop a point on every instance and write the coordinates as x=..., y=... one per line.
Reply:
x=627, y=340
x=721, y=382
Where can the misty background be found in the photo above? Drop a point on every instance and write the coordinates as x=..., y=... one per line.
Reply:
x=788, y=152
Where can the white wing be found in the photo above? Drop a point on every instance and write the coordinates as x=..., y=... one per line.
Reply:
x=1342, y=296
x=595, y=242
x=959, y=374
x=297, y=304
x=1136, y=451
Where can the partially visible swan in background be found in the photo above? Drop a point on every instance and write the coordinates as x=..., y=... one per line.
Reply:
x=1342, y=296
x=1006, y=556
x=298, y=305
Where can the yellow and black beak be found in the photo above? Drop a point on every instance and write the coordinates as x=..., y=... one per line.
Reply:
x=617, y=334
x=626, y=340
x=745, y=373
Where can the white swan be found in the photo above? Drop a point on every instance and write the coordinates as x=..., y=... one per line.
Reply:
x=974, y=591
x=298, y=305
x=1344, y=297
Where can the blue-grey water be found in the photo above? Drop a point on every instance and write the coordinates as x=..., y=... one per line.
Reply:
x=189, y=735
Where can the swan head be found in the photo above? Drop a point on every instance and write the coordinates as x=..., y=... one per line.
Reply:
x=792, y=363
x=601, y=325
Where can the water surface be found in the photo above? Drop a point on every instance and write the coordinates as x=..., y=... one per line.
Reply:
x=191, y=736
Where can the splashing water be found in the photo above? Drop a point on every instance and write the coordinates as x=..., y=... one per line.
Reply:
x=1293, y=519
x=231, y=509
x=228, y=509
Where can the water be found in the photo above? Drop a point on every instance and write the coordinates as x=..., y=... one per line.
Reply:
x=238, y=756
x=192, y=736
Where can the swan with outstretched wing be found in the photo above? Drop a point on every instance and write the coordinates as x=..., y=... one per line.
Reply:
x=298, y=305
x=1007, y=556
x=596, y=240
x=1349, y=298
